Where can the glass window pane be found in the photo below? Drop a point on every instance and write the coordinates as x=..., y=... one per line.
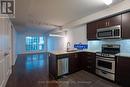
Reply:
x=34, y=43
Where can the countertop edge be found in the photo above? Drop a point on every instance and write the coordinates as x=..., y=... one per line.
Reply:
x=73, y=52
x=123, y=54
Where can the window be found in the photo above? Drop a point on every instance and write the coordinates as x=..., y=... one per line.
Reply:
x=34, y=43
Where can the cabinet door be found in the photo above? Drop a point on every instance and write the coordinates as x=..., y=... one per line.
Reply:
x=108, y=22
x=123, y=71
x=90, y=62
x=82, y=56
x=73, y=63
x=91, y=31
x=126, y=25
x=53, y=65
x=102, y=23
x=113, y=21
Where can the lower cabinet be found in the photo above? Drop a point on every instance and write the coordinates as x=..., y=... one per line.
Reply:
x=53, y=72
x=90, y=62
x=83, y=57
x=74, y=63
x=82, y=61
x=123, y=71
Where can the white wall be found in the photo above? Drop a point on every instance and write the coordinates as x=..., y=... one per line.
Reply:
x=55, y=43
x=5, y=47
x=20, y=43
x=77, y=35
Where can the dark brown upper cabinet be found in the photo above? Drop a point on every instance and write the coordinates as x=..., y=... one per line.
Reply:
x=102, y=23
x=122, y=19
x=91, y=31
x=113, y=21
x=126, y=25
x=108, y=22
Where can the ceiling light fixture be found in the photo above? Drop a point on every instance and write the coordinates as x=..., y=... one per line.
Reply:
x=107, y=2
x=55, y=35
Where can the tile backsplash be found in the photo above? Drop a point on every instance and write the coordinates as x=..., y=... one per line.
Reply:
x=96, y=45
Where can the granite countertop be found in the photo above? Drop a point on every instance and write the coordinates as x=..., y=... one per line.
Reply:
x=123, y=54
x=65, y=52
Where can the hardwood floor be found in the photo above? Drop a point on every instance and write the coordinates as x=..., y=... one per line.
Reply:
x=32, y=71
x=84, y=79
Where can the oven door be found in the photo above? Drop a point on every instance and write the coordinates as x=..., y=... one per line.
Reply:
x=105, y=64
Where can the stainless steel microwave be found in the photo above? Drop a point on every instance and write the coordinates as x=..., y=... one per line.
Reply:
x=109, y=32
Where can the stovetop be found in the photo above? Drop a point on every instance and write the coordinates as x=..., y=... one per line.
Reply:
x=105, y=54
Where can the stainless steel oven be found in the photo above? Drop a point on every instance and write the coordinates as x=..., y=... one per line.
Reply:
x=109, y=32
x=106, y=64
x=105, y=61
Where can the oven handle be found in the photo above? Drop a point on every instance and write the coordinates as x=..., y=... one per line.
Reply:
x=97, y=57
x=104, y=72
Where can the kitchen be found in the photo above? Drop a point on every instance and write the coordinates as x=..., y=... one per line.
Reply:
x=66, y=43
x=109, y=58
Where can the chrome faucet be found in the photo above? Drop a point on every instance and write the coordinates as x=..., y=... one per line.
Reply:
x=68, y=44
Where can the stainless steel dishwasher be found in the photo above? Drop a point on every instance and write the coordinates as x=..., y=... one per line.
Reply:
x=63, y=66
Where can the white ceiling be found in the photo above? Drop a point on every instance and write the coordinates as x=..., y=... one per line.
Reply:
x=43, y=14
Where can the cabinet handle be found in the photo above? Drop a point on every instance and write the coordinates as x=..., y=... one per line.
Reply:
x=106, y=23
